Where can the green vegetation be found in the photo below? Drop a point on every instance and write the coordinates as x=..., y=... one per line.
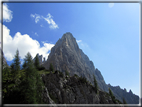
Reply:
x=112, y=96
x=67, y=73
x=51, y=67
x=83, y=80
x=76, y=75
x=36, y=62
x=53, y=97
x=124, y=102
x=95, y=84
x=61, y=74
x=22, y=86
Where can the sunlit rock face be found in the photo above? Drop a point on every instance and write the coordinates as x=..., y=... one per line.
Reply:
x=66, y=55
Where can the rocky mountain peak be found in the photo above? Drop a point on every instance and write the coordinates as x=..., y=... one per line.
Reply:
x=66, y=56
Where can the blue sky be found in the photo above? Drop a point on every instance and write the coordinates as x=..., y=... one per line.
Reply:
x=108, y=33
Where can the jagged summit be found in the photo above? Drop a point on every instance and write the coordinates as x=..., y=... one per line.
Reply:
x=67, y=35
x=66, y=55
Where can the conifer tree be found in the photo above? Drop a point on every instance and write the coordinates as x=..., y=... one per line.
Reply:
x=36, y=62
x=51, y=67
x=32, y=86
x=67, y=73
x=15, y=66
x=124, y=102
x=29, y=84
x=112, y=96
x=95, y=84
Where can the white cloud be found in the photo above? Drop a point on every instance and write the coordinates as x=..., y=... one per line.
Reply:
x=78, y=41
x=48, y=19
x=110, y=5
x=82, y=44
x=7, y=14
x=36, y=16
x=24, y=43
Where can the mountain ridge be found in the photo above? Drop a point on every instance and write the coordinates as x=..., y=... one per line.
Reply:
x=66, y=55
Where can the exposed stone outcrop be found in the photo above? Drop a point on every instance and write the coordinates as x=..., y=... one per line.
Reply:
x=70, y=90
x=40, y=57
x=119, y=93
x=66, y=55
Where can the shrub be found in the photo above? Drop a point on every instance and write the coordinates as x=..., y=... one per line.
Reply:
x=61, y=74
x=67, y=73
x=41, y=68
x=76, y=75
x=82, y=79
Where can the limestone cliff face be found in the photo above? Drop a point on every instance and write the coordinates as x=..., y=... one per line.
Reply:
x=66, y=55
x=40, y=59
x=129, y=97
x=60, y=89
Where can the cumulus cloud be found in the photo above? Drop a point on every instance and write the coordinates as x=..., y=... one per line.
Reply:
x=7, y=14
x=48, y=19
x=24, y=43
x=110, y=5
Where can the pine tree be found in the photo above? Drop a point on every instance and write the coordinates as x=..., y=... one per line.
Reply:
x=112, y=96
x=32, y=85
x=29, y=84
x=51, y=67
x=36, y=62
x=95, y=84
x=67, y=73
x=15, y=66
x=124, y=102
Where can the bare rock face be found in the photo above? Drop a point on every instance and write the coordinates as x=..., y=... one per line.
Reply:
x=128, y=96
x=40, y=59
x=62, y=90
x=66, y=55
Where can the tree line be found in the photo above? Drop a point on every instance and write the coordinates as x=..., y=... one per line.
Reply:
x=22, y=85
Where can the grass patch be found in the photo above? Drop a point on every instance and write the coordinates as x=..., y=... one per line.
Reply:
x=43, y=72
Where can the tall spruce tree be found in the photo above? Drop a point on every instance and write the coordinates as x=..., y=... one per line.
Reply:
x=95, y=84
x=32, y=85
x=29, y=84
x=124, y=101
x=51, y=67
x=15, y=67
x=112, y=96
x=36, y=62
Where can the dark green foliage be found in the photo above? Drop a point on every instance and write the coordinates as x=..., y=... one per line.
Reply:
x=124, y=102
x=76, y=75
x=23, y=88
x=53, y=97
x=36, y=62
x=83, y=79
x=41, y=68
x=95, y=84
x=29, y=87
x=61, y=74
x=51, y=67
x=67, y=73
x=112, y=96
x=15, y=66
